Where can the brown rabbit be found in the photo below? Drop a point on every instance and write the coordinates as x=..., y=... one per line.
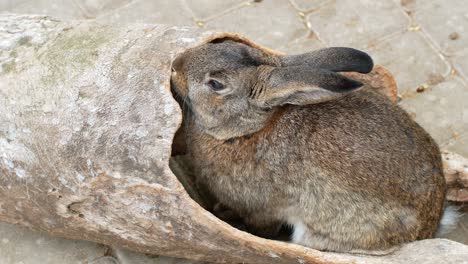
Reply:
x=287, y=139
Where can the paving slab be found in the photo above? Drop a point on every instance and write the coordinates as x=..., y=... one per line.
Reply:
x=306, y=43
x=406, y=4
x=412, y=60
x=309, y=5
x=273, y=23
x=18, y=245
x=62, y=9
x=459, y=144
x=460, y=63
x=443, y=111
x=154, y=11
x=9, y=4
x=207, y=9
x=446, y=22
x=344, y=23
x=95, y=8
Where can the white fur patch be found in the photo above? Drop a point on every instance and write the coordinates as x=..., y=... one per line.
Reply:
x=449, y=220
x=299, y=231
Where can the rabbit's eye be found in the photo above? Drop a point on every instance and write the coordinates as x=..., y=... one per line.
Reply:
x=215, y=85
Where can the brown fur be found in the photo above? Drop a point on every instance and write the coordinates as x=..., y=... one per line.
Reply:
x=350, y=171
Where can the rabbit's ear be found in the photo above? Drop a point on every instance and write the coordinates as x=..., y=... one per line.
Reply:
x=299, y=85
x=336, y=59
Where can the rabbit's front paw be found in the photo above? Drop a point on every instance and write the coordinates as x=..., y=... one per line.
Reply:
x=263, y=226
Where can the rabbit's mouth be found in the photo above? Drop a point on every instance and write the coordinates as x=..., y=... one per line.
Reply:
x=203, y=121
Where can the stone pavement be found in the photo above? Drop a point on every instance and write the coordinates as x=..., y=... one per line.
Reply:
x=423, y=42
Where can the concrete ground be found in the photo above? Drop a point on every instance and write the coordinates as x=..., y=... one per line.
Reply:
x=423, y=42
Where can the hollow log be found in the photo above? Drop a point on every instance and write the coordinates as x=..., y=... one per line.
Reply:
x=86, y=127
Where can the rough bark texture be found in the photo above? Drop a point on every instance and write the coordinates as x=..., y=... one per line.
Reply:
x=86, y=125
x=456, y=174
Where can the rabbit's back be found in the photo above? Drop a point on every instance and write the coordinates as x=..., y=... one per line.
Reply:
x=365, y=140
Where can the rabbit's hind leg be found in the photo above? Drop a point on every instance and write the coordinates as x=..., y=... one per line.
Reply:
x=304, y=236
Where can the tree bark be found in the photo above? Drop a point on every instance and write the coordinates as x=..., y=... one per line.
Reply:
x=86, y=126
